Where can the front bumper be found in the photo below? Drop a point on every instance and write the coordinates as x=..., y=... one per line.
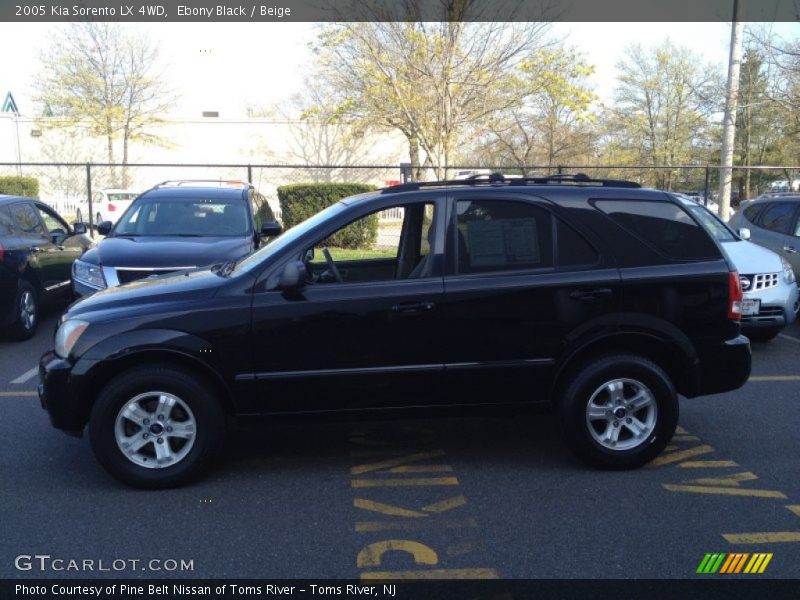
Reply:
x=778, y=308
x=724, y=366
x=59, y=394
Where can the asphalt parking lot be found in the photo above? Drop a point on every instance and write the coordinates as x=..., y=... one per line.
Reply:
x=471, y=497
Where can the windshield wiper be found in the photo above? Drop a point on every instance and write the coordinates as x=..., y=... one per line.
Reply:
x=224, y=269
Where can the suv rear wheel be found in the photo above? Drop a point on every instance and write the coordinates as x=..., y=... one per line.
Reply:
x=155, y=427
x=618, y=412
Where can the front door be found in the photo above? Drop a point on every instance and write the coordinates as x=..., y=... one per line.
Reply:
x=364, y=331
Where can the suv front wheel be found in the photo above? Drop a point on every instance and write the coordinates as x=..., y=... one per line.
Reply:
x=155, y=427
x=618, y=412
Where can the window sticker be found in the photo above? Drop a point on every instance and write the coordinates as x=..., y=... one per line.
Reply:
x=502, y=242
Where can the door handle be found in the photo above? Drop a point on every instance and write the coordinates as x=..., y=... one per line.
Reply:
x=413, y=307
x=35, y=249
x=590, y=294
x=790, y=249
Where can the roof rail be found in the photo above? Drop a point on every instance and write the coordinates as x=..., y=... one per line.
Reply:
x=499, y=178
x=220, y=182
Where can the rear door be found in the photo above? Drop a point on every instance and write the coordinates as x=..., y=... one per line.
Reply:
x=778, y=230
x=45, y=258
x=521, y=280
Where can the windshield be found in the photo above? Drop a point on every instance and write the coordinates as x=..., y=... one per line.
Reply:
x=712, y=224
x=119, y=197
x=185, y=217
x=287, y=238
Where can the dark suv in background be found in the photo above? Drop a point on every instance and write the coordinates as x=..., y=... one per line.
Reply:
x=599, y=298
x=37, y=249
x=174, y=226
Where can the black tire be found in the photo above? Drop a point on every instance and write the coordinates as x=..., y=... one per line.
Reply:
x=762, y=335
x=193, y=391
x=97, y=218
x=26, y=311
x=584, y=382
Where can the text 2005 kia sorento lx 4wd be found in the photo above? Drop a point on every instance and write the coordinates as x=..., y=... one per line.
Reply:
x=599, y=297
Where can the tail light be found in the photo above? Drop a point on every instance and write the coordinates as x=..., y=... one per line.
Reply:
x=111, y=207
x=2, y=253
x=735, y=296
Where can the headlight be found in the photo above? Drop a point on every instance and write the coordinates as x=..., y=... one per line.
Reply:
x=89, y=274
x=788, y=273
x=67, y=334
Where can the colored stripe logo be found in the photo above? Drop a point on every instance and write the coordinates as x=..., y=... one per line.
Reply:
x=731, y=563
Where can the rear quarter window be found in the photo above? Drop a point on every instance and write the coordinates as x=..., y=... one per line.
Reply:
x=665, y=226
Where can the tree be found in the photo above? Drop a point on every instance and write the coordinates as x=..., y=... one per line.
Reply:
x=552, y=122
x=429, y=80
x=663, y=104
x=103, y=78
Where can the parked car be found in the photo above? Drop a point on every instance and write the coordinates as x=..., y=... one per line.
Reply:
x=596, y=297
x=768, y=282
x=37, y=249
x=172, y=227
x=107, y=205
x=773, y=223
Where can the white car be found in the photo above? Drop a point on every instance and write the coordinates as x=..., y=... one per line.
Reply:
x=768, y=282
x=107, y=205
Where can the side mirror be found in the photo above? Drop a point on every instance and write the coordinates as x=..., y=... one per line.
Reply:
x=744, y=233
x=79, y=228
x=293, y=276
x=271, y=229
x=104, y=227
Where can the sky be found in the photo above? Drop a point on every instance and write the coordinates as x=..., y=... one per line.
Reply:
x=229, y=67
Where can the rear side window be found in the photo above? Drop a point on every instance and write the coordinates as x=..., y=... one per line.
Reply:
x=778, y=217
x=502, y=235
x=26, y=219
x=664, y=225
x=6, y=224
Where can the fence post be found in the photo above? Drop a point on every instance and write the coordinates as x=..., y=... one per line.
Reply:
x=405, y=172
x=560, y=169
x=89, y=197
x=249, y=173
x=705, y=192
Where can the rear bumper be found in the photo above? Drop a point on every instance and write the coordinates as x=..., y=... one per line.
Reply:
x=59, y=394
x=724, y=366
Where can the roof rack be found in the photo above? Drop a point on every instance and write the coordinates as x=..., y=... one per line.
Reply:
x=499, y=178
x=190, y=182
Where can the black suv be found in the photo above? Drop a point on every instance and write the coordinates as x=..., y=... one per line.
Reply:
x=598, y=297
x=37, y=249
x=176, y=225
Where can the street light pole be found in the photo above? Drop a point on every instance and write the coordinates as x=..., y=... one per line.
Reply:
x=731, y=102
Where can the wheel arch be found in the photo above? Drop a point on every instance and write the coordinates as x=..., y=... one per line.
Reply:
x=679, y=364
x=102, y=373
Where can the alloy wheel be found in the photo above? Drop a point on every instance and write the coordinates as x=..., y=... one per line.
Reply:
x=621, y=414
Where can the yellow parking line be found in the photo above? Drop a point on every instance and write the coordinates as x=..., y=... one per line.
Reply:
x=364, y=483
x=795, y=508
x=434, y=574
x=707, y=464
x=422, y=469
x=364, y=526
x=17, y=394
x=394, y=462
x=733, y=480
x=775, y=378
x=445, y=505
x=672, y=457
x=763, y=537
x=685, y=438
x=701, y=489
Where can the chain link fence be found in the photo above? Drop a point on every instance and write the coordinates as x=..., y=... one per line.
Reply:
x=71, y=188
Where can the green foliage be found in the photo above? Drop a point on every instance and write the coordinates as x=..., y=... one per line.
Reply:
x=303, y=200
x=19, y=186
